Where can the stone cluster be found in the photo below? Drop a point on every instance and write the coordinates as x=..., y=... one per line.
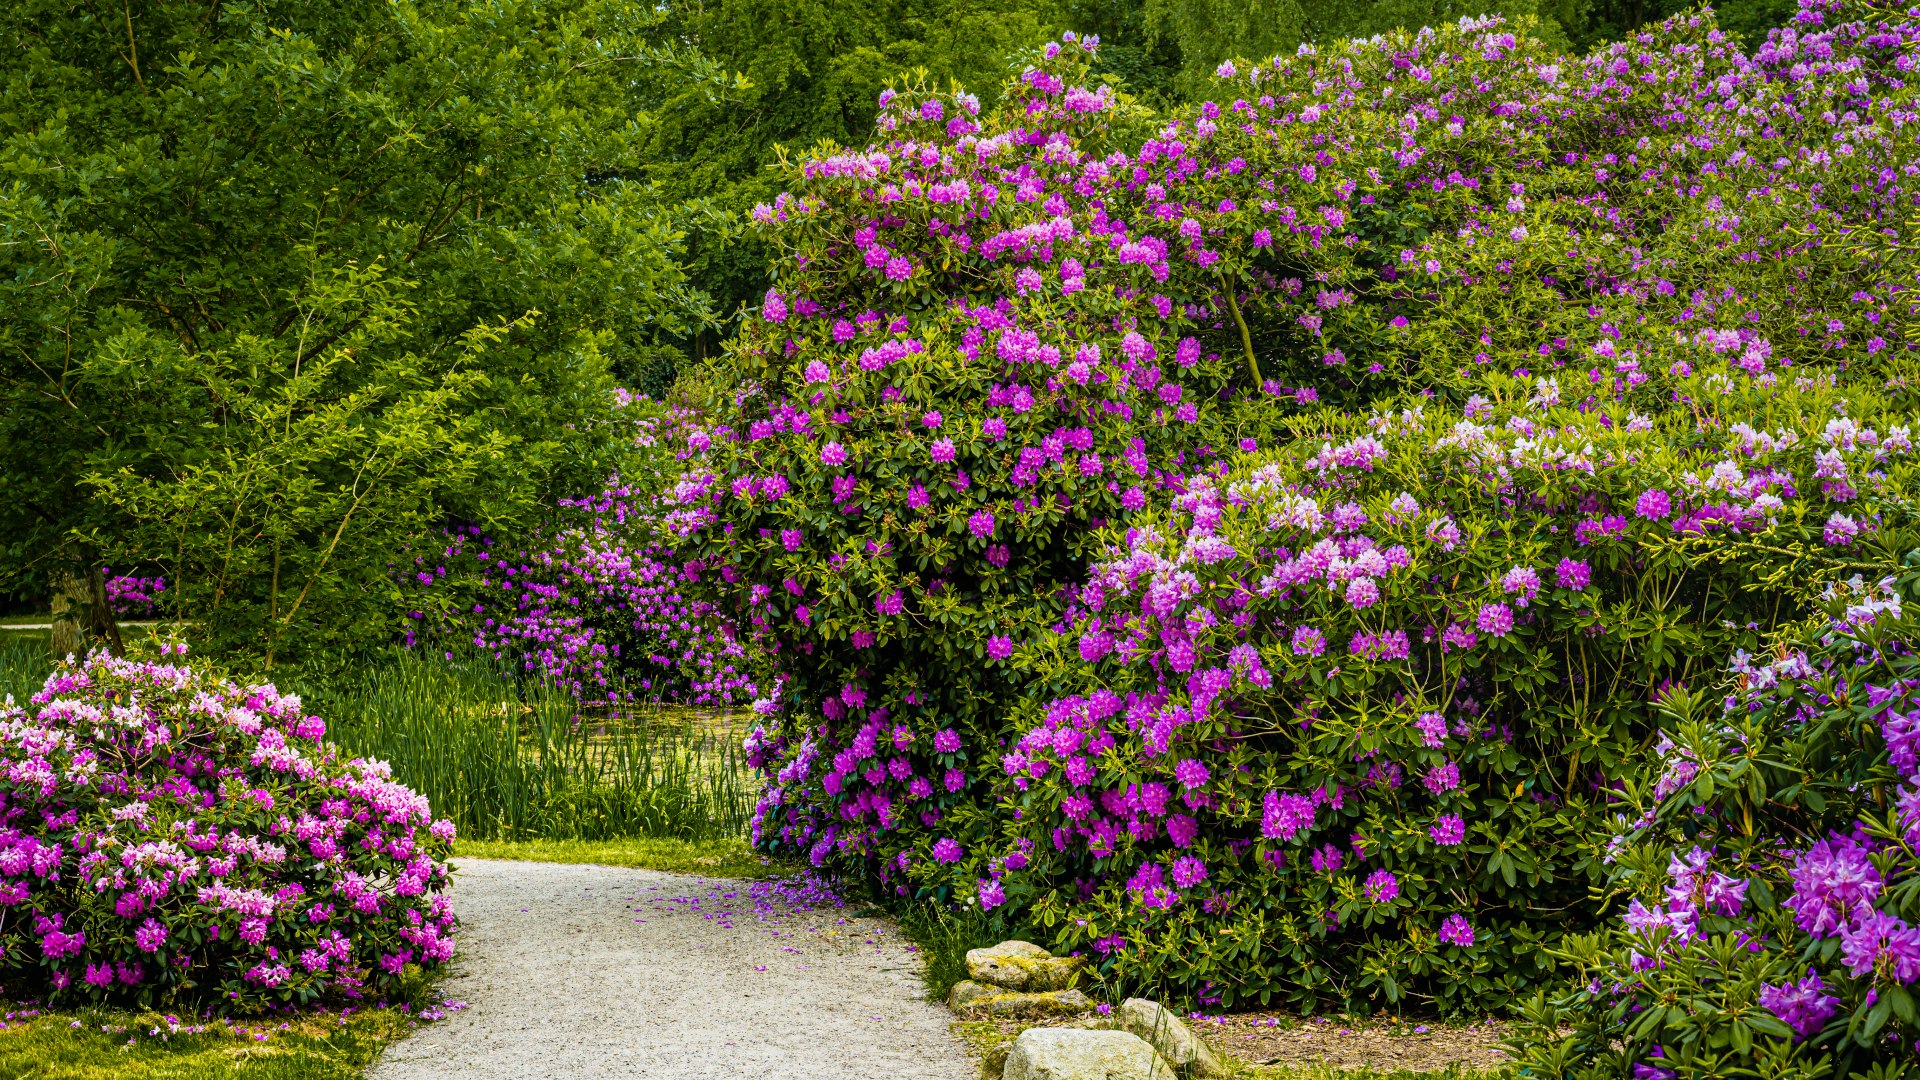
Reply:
x=1140, y=1040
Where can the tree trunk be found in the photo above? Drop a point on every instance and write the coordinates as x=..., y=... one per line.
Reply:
x=82, y=618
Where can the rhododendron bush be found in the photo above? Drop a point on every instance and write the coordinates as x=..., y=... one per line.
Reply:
x=602, y=601
x=1354, y=712
x=1040, y=480
x=167, y=835
x=1766, y=871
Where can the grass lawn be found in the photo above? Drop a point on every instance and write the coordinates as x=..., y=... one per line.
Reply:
x=94, y=1044
x=709, y=858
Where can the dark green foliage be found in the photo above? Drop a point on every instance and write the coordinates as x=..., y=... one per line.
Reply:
x=281, y=284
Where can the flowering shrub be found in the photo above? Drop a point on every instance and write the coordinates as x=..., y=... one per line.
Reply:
x=602, y=601
x=1349, y=718
x=952, y=389
x=1634, y=289
x=1412, y=211
x=167, y=835
x=1770, y=918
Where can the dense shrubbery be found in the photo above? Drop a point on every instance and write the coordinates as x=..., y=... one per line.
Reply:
x=1647, y=299
x=1767, y=874
x=1349, y=718
x=166, y=835
x=601, y=601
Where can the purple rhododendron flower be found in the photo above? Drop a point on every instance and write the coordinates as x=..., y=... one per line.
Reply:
x=833, y=454
x=1190, y=773
x=1573, y=574
x=1433, y=729
x=1653, y=505
x=1831, y=879
x=1449, y=830
x=1495, y=619
x=1523, y=580
x=1881, y=945
x=1308, y=641
x=1840, y=530
x=1382, y=886
x=1189, y=871
x=981, y=524
x=1456, y=930
x=947, y=850
x=1804, y=1006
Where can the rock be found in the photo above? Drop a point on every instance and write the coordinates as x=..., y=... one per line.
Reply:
x=966, y=992
x=1022, y=965
x=1012, y=1005
x=1071, y=1054
x=1177, y=1043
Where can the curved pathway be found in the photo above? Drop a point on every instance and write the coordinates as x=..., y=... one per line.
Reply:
x=591, y=971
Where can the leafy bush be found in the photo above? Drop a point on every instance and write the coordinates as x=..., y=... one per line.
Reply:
x=1348, y=720
x=168, y=835
x=601, y=600
x=997, y=334
x=1768, y=872
x=907, y=475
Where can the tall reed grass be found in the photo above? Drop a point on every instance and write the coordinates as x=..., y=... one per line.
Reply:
x=511, y=760
x=24, y=664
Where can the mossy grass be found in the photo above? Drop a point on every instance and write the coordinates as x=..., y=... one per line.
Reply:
x=727, y=858
x=118, y=1044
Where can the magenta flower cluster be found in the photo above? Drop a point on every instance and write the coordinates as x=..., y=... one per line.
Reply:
x=132, y=596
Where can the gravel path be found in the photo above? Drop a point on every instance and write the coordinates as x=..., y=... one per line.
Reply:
x=590, y=971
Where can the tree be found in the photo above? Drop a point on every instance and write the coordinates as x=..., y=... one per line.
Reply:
x=281, y=284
